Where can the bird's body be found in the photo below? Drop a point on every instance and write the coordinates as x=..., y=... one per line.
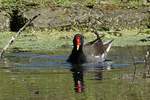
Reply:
x=94, y=51
x=97, y=51
x=77, y=56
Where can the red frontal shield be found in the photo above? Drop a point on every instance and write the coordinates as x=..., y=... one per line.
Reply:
x=78, y=42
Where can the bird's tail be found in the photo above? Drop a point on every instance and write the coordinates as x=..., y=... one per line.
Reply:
x=107, y=46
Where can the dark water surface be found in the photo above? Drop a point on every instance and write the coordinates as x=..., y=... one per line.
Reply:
x=117, y=57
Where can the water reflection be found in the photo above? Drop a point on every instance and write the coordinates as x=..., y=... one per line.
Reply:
x=99, y=74
x=78, y=72
x=78, y=77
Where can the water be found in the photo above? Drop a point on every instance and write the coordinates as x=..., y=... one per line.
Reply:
x=117, y=57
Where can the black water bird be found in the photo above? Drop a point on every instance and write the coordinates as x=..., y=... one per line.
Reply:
x=93, y=51
x=77, y=56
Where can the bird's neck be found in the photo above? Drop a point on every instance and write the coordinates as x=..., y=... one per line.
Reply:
x=80, y=49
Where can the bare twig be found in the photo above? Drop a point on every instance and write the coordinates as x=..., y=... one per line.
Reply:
x=13, y=38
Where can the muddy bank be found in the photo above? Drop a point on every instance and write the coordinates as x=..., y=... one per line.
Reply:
x=85, y=17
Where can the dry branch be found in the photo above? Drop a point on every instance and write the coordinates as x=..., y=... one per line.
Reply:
x=13, y=38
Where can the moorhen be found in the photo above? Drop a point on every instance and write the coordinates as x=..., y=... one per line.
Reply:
x=94, y=51
x=77, y=56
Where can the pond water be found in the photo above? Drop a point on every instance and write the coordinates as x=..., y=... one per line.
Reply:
x=118, y=57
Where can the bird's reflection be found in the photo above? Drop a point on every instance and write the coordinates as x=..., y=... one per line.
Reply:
x=78, y=72
x=78, y=76
x=98, y=75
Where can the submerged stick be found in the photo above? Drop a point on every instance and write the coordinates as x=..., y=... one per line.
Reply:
x=13, y=38
x=134, y=64
x=146, y=65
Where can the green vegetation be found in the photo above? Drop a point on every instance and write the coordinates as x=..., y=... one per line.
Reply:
x=52, y=40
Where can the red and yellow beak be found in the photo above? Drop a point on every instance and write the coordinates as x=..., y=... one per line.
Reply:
x=78, y=47
x=78, y=43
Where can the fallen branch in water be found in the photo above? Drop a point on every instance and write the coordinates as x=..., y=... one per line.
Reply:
x=13, y=38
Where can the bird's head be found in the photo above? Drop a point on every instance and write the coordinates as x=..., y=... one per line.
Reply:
x=78, y=41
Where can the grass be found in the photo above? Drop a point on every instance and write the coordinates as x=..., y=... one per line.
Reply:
x=50, y=85
x=35, y=40
x=128, y=38
x=53, y=40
